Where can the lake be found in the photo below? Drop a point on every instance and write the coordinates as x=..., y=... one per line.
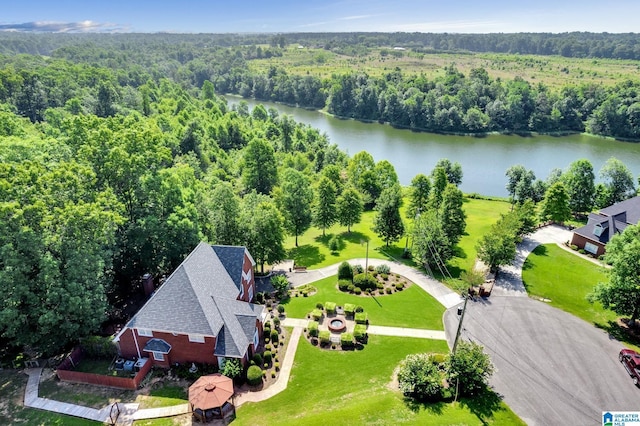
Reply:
x=484, y=160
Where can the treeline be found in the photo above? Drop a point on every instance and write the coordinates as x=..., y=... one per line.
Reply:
x=571, y=45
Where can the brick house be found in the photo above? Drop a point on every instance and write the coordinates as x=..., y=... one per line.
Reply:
x=202, y=313
x=602, y=226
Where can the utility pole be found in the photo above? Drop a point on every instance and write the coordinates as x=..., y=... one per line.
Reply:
x=366, y=260
x=464, y=309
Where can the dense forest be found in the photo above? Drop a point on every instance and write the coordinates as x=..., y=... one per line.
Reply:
x=117, y=156
x=453, y=102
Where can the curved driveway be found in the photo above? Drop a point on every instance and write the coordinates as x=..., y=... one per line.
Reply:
x=551, y=367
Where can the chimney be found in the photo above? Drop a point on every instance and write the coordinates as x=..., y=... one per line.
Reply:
x=147, y=284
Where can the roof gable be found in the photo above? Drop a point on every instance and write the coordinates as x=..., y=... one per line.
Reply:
x=200, y=297
x=627, y=211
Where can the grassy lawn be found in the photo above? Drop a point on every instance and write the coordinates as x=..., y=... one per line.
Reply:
x=165, y=396
x=12, y=385
x=565, y=279
x=411, y=307
x=353, y=387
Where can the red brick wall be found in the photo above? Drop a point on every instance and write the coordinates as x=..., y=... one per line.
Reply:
x=580, y=241
x=182, y=350
x=247, y=269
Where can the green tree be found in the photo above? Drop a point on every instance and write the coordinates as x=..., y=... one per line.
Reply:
x=452, y=170
x=224, y=215
x=264, y=235
x=555, y=206
x=580, y=183
x=324, y=207
x=439, y=177
x=259, y=169
x=622, y=292
x=419, y=192
x=430, y=246
x=469, y=368
x=497, y=247
x=349, y=207
x=386, y=174
x=420, y=377
x=520, y=183
x=452, y=216
x=280, y=284
x=362, y=176
x=618, y=181
x=388, y=223
x=295, y=202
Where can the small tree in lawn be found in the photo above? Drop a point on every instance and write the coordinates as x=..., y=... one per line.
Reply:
x=497, y=247
x=469, y=368
x=349, y=207
x=388, y=222
x=419, y=377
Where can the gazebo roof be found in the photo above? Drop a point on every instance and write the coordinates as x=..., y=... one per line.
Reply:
x=210, y=391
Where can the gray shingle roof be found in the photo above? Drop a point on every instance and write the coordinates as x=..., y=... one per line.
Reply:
x=613, y=219
x=200, y=297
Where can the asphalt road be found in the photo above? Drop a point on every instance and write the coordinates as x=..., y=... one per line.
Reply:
x=551, y=367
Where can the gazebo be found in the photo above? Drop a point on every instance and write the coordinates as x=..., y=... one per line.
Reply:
x=211, y=397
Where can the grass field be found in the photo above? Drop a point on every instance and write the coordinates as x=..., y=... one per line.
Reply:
x=565, y=279
x=411, y=307
x=353, y=387
x=553, y=71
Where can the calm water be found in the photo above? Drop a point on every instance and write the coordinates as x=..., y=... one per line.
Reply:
x=484, y=160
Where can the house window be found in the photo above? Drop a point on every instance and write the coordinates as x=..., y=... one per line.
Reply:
x=158, y=356
x=145, y=332
x=591, y=248
x=256, y=338
x=597, y=230
x=196, y=339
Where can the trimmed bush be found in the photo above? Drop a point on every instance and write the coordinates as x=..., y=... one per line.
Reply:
x=330, y=307
x=343, y=285
x=325, y=337
x=277, y=366
x=281, y=309
x=319, y=305
x=349, y=309
x=316, y=314
x=385, y=277
x=357, y=290
x=357, y=269
x=345, y=272
x=370, y=268
x=359, y=309
x=334, y=243
x=388, y=290
x=360, y=333
x=346, y=340
x=273, y=374
x=313, y=328
x=276, y=322
x=274, y=336
x=361, y=318
x=257, y=358
x=383, y=269
x=380, y=286
x=254, y=375
x=365, y=281
x=399, y=286
x=266, y=356
x=351, y=287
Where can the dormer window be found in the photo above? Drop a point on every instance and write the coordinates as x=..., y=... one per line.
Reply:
x=597, y=230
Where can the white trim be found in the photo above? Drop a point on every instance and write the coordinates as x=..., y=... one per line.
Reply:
x=250, y=293
x=196, y=338
x=256, y=339
x=246, y=276
x=144, y=332
x=241, y=290
x=253, y=262
x=158, y=356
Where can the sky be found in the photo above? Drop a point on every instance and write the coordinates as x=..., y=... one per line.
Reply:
x=282, y=16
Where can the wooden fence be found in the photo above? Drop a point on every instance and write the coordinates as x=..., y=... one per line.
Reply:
x=66, y=374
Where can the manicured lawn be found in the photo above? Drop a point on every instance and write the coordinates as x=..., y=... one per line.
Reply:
x=166, y=396
x=411, y=307
x=353, y=387
x=552, y=273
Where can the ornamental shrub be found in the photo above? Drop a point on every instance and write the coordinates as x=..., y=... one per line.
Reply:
x=257, y=358
x=380, y=286
x=313, y=328
x=351, y=287
x=383, y=269
x=470, y=368
x=274, y=336
x=357, y=290
x=399, y=286
x=345, y=272
x=334, y=243
x=365, y=281
x=343, y=285
x=361, y=318
x=388, y=290
x=360, y=333
x=319, y=306
x=266, y=356
x=281, y=309
x=330, y=307
x=325, y=337
x=277, y=366
x=359, y=309
x=316, y=314
x=370, y=268
x=254, y=375
x=346, y=340
x=349, y=309
x=357, y=269
x=385, y=277
x=276, y=322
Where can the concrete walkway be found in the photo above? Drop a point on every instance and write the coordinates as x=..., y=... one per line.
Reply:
x=439, y=291
x=128, y=412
